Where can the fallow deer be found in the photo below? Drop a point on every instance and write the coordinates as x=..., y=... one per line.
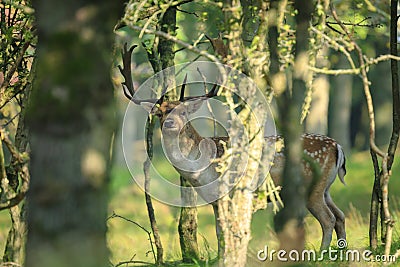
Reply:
x=325, y=153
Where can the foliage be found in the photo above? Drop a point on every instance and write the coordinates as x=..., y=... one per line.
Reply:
x=17, y=47
x=17, y=41
x=126, y=240
x=237, y=34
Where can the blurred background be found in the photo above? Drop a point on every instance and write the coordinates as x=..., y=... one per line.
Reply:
x=338, y=109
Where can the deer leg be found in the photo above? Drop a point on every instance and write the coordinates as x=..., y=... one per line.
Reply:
x=325, y=217
x=339, y=215
x=218, y=230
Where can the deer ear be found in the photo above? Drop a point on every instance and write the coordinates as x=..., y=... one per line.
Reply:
x=149, y=107
x=193, y=105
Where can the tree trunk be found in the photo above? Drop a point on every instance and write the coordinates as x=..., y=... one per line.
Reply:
x=236, y=208
x=187, y=227
x=317, y=119
x=16, y=238
x=340, y=105
x=71, y=119
x=289, y=222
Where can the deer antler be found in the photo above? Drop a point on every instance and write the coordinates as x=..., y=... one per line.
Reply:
x=182, y=96
x=129, y=90
x=126, y=71
x=212, y=93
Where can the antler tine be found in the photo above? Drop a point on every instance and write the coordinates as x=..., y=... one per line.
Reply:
x=182, y=96
x=126, y=72
x=163, y=91
x=212, y=93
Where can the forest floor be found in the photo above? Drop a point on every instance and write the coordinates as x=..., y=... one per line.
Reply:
x=128, y=242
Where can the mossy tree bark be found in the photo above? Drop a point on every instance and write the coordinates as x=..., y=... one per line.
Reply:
x=187, y=227
x=16, y=73
x=161, y=56
x=71, y=117
x=236, y=208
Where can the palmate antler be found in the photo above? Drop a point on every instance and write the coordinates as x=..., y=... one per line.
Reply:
x=126, y=71
x=129, y=90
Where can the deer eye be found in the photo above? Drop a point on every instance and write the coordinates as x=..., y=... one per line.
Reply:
x=183, y=113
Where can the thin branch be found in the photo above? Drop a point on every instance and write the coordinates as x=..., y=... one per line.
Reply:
x=133, y=262
x=11, y=98
x=334, y=72
x=10, y=264
x=356, y=24
x=175, y=40
x=13, y=69
x=8, y=197
x=114, y=215
x=336, y=45
x=186, y=65
x=365, y=81
x=395, y=84
x=9, y=203
x=142, y=12
x=370, y=62
x=150, y=209
x=208, y=103
x=154, y=16
x=187, y=12
x=11, y=120
x=20, y=157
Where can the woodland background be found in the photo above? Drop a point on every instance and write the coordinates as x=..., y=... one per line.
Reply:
x=56, y=57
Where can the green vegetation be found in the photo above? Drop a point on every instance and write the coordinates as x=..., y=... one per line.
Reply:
x=127, y=241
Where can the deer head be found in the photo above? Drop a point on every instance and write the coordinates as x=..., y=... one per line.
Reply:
x=173, y=115
x=184, y=147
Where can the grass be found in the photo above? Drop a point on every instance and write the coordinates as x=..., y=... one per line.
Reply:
x=127, y=241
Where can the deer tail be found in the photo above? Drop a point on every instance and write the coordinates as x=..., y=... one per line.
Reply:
x=341, y=164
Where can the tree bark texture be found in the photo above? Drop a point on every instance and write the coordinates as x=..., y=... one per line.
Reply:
x=235, y=209
x=187, y=227
x=16, y=238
